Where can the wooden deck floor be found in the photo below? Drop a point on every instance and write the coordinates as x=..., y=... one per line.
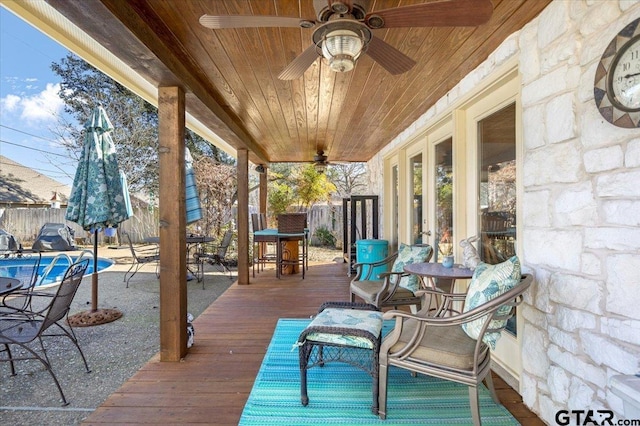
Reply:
x=211, y=385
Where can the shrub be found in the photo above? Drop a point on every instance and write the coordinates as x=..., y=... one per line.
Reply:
x=324, y=237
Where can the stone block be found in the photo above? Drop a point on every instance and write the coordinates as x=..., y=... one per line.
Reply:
x=536, y=205
x=547, y=86
x=571, y=320
x=552, y=23
x=533, y=359
x=613, y=238
x=621, y=212
x=624, y=330
x=632, y=154
x=558, y=163
x=578, y=367
x=529, y=390
x=560, y=118
x=567, y=341
x=534, y=316
x=558, y=383
x=577, y=292
x=580, y=394
x=563, y=253
x=534, y=131
x=622, y=285
x=603, y=159
x=575, y=205
x=591, y=264
x=606, y=352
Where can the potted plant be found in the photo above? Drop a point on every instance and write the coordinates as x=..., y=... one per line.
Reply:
x=445, y=247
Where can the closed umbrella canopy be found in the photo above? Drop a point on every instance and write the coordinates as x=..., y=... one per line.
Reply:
x=97, y=199
x=192, y=200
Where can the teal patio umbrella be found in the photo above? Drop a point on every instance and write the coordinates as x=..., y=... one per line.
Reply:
x=192, y=200
x=97, y=200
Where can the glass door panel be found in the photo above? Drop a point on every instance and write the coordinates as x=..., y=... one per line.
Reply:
x=415, y=165
x=497, y=179
x=443, y=179
x=394, y=214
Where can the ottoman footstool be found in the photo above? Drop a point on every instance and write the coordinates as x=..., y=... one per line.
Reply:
x=342, y=332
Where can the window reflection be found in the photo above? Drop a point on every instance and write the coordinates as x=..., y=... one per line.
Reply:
x=497, y=149
x=444, y=200
x=416, y=185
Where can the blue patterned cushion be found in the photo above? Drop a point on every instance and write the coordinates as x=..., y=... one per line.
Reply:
x=489, y=282
x=406, y=256
x=370, y=321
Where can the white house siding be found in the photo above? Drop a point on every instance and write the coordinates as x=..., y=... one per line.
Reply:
x=580, y=210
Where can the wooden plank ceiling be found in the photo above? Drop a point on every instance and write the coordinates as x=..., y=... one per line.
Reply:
x=230, y=75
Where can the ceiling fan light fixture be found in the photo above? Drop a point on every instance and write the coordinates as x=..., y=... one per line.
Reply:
x=341, y=48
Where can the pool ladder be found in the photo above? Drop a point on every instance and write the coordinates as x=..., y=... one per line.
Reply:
x=66, y=257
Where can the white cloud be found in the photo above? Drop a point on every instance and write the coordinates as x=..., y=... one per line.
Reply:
x=9, y=103
x=42, y=107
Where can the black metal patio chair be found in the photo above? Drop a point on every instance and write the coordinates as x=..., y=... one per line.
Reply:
x=23, y=327
x=27, y=273
x=214, y=255
x=142, y=255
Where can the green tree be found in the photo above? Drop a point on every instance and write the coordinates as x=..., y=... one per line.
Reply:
x=280, y=196
x=296, y=187
x=135, y=122
x=312, y=187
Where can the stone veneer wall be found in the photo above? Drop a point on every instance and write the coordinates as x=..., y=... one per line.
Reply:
x=581, y=209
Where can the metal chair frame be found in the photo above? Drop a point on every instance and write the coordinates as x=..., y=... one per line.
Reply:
x=214, y=255
x=21, y=299
x=402, y=346
x=142, y=255
x=22, y=327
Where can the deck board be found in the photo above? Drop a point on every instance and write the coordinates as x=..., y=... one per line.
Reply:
x=212, y=384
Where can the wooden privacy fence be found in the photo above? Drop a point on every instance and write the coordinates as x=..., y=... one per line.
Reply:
x=24, y=224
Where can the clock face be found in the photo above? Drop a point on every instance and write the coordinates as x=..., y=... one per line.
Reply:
x=625, y=78
x=617, y=84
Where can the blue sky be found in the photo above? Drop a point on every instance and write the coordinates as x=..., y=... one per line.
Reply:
x=29, y=104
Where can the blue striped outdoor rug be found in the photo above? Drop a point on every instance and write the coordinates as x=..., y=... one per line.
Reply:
x=341, y=395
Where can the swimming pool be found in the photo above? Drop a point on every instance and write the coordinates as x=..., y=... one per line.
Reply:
x=18, y=268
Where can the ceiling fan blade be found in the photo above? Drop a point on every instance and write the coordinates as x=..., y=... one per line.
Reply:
x=388, y=57
x=299, y=65
x=442, y=13
x=252, y=21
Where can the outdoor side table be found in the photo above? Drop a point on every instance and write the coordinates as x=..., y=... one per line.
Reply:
x=342, y=332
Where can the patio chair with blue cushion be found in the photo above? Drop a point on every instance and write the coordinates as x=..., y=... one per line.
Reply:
x=455, y=347
x=393, y=288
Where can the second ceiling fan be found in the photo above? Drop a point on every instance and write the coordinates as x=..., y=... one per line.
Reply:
x=344, y=30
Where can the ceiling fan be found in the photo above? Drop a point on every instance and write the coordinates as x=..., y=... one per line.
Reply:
x=320, y=161
x=344, y=30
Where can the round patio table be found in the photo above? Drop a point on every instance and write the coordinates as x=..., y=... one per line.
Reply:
x=8, y=285
x=432, y=270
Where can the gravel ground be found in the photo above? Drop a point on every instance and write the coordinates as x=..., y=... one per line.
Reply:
x=114, y=351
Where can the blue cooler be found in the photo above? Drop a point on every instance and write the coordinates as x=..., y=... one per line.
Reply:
x=372, y=251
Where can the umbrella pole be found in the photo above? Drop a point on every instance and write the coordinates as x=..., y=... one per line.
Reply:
x=94, y=276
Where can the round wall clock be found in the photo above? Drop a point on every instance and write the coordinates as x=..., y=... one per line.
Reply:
x=617, y=83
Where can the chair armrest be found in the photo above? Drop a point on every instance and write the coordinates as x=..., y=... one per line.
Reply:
x=359, y=267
